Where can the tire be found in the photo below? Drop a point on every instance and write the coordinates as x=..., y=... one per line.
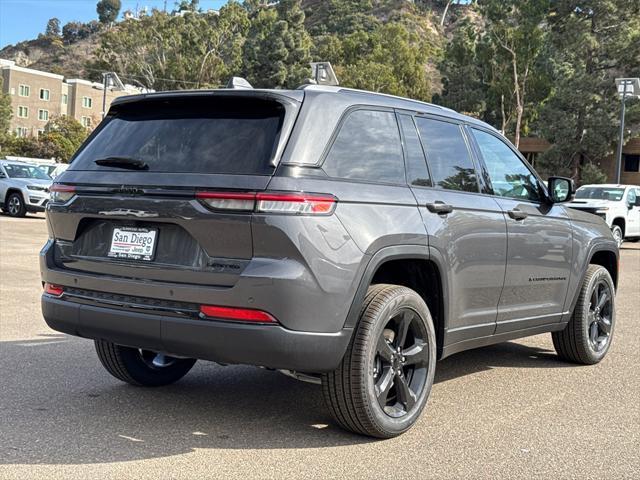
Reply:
x=588, y=335
x=355, y=392
x=617, y=234
x=141, y=367
x=14, y=205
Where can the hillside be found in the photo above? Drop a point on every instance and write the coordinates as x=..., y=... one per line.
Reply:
x=73, y=53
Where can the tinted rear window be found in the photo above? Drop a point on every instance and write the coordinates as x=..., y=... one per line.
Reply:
x=190, y=135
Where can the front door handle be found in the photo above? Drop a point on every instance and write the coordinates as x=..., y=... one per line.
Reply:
x=517, y=214
x=439, y=207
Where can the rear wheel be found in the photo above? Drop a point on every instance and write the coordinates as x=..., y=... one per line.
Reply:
x=385, y=378
x=587, y=337
x=15, y=205
x=141, y=367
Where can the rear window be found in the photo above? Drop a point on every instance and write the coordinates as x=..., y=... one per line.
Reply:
x=189, y=135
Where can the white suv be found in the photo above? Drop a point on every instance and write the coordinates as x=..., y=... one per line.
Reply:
x=618, y=205
x=23, y=188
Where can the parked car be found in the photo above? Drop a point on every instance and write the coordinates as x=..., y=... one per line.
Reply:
x=618, y=205
x=344, y=237
x=23, y=188
x=55, y=169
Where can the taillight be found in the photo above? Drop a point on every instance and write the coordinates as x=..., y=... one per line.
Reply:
x=61, y=193
x=228, y=201
x=236, y=314
x=291, y=203
x=295, y=203
x=55, y=290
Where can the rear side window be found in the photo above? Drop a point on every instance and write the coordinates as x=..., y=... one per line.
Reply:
x=417, y=173
x=448, y=156
x=203, y=135
x=367, y=147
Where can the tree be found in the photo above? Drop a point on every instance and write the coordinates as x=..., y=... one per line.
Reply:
x=167, y=52
x=592, y=43
x=278, y=47
x=5, y=122
x=463, y=80
x=61, y=138
x=517, y=29
x=53, y=28
x=108, y=11
x=5, y=111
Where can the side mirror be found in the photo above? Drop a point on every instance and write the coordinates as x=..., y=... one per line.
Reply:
x=637, y=204
x=560, y=189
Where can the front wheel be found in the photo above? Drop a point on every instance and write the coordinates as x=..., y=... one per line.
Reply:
x=141, y=367
x=385, y=377
x=617, y=234
x=587, y=337
x=15, y=205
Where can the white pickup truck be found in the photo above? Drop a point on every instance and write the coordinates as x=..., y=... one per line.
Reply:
x=618, y=205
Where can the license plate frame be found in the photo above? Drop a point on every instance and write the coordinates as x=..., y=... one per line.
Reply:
x=132, y=243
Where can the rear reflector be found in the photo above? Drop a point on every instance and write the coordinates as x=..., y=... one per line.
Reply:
x=61, y=193
x=239, y=314
x=55, y=290
x=273, y=202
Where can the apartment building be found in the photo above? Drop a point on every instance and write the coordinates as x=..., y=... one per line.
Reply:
x=38, y=96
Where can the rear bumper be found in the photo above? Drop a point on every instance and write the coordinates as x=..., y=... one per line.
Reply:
x=225, y=342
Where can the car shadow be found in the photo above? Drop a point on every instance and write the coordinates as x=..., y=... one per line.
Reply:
x=58, y=406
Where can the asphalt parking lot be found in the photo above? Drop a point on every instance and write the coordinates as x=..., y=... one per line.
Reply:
x=507, y=411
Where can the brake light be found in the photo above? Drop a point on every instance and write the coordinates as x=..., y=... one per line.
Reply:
x=61, y=193
x=295, y=203
x=55, y=290
x=271, y=202
x=228, y=201
x=237, y=314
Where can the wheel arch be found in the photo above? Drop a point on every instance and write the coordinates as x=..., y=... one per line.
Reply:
x=412, y=266
x=620, y=222
x=11, y=190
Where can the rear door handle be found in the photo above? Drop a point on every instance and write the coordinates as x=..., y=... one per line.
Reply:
x=517, y=214
x=439, y=207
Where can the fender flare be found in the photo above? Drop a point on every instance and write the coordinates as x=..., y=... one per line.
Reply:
x=385, y=254
x=604, y=246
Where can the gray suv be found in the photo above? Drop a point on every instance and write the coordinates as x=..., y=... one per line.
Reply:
x=343, y=237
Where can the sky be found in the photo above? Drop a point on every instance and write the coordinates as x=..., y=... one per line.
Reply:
x=25, y=19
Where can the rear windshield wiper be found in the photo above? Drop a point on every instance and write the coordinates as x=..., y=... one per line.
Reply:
x=122, y=162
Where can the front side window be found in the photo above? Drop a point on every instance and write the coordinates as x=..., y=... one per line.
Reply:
x=447, y=154
x=509, y=176
x=44, y=94
x=15, y=170
x=631, y=197
x=367, y=147
x=600, y=193
x=24, y=90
